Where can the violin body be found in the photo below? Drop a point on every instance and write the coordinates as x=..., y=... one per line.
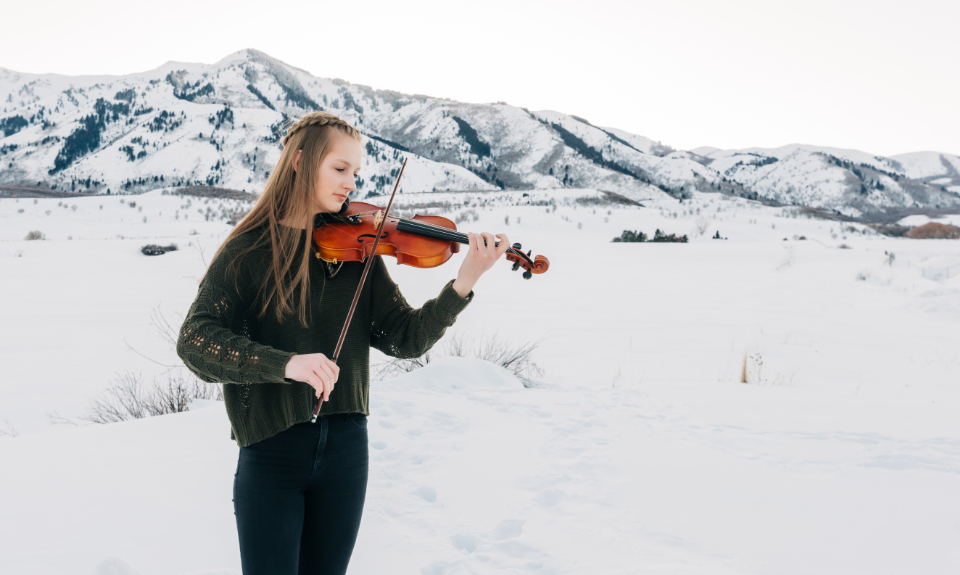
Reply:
x=420, y=241
x=351, y=239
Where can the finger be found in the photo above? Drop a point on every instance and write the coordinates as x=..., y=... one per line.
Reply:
x=323, y=388
x=327, y=390
x=472, y=242
x=316, y=384
x=327, y=379
x=328, y=368
x=504, y=244
x=489, y=244
x=335, y=368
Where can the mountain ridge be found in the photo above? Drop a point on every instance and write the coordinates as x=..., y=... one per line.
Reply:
x=219, y=124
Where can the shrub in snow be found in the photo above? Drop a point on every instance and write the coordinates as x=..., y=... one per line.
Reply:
x=515, y=358
x=659, y=236
x=127, y=398
x=35, y=235
x=155, y=250
x=631, y=236
x=933, y=230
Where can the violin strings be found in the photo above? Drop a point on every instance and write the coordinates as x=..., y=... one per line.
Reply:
x=440, y=233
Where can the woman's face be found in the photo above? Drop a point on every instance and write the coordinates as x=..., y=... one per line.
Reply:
x=338, y=169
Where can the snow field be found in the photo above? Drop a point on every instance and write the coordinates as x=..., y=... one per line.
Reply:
x=638, y=452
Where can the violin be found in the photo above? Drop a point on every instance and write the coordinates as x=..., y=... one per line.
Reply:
x=360, y=230
x=420, y=241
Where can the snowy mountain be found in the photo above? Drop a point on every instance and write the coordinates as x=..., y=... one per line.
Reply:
x=218, y=125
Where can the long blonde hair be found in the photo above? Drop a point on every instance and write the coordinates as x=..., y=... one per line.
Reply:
x=288, y=196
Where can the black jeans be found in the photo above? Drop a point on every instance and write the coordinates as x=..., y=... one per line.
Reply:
x=298, y=497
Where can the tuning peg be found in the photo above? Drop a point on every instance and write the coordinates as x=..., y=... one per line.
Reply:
x=527, y=275
x=516, y=266
x=516, y=246
x=529, y=253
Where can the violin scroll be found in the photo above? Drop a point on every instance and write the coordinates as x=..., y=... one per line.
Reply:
x=537, y=265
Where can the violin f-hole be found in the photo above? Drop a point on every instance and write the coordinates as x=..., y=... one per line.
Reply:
x=361, y=236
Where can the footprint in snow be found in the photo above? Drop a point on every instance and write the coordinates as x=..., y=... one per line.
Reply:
x=114, y=566
x=550, y=497
x=468, y=543
x=507, y=529
x=442, y=568
x=428, y=494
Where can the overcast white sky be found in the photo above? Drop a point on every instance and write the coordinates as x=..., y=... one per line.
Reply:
x=879, y=76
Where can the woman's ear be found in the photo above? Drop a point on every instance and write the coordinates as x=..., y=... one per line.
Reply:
x=296, y=159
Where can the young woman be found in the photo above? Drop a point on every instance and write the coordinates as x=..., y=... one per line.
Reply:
x=264, y=318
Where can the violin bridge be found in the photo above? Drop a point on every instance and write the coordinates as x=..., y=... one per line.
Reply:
x=378, y=219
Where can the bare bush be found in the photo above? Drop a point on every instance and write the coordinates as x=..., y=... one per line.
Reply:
x=515, y=358
x=35, y=235
x=128, y=398
x=8, y=429
x=467, y=216
x=703, y=224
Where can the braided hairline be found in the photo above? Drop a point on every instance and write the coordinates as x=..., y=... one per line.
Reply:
x=320, y=119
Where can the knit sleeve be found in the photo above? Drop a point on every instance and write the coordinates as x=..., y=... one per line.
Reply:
x=398, y=329
x=209, y=344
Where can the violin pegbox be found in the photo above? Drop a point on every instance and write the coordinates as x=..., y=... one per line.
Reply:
x=537, y=265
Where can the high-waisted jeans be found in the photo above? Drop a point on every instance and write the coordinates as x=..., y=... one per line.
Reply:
x=298, y=497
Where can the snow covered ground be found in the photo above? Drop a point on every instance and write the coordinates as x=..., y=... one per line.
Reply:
x=638, y=450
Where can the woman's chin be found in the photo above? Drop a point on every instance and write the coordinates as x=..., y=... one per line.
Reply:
x=331, y=207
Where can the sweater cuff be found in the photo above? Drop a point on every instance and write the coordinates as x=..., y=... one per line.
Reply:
x=274, y=363
x=449, y=301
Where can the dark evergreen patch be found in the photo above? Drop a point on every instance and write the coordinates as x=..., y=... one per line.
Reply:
x=588, y=152
x=155, y=250
x=86, y=138
x=223, y=116
x=658, y=236
x=388, y=142
x=253, y=90
x=191, y=92
x=12, y=125
x=466, y=131
x=164, y=122
x=127, y=95
x=350, y=103
x=298, y=98
x=629, y=236
x=856, y=168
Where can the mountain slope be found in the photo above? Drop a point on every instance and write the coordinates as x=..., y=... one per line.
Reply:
x=219, y=124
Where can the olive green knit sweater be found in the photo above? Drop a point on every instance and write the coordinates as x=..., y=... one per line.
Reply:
x=223, y=339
